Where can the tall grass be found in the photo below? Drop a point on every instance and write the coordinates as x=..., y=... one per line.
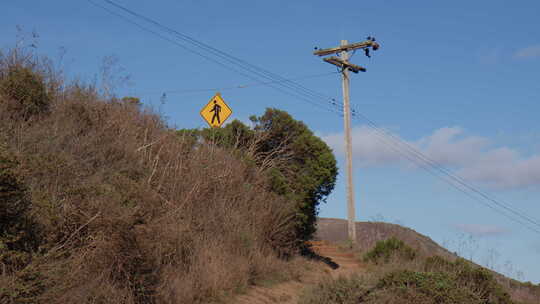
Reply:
x=126, y=210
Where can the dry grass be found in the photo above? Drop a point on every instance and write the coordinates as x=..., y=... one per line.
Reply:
x=128, y=212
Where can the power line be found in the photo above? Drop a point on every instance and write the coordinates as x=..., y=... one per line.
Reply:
x=424, y=158
x=225, y=56
x=296, y=90
x=241, y=86
x=435, y=170
x=280, y=82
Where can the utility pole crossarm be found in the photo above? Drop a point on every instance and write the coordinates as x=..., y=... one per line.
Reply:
x=348, y=47
x=344, y=64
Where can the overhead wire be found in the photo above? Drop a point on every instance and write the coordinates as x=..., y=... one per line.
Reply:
x=294, y=89
x=290, y=92
x=452, y=176
x=430, y=170
x=456, y=182
x=240, y=86
x=260, y=72
x=255, y=69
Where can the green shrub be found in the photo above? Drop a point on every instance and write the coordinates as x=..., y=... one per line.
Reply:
x=438, y=287
x=385, y=250
x=437, y=263
x=446, y=282
x=308, y=172
x=443, y=281
x=341, y=290
x=479, y=278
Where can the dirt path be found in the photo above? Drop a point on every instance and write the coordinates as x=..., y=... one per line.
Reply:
x=289, y=292
x=348, y=264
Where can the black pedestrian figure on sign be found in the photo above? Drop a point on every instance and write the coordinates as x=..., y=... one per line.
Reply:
x=216, y=109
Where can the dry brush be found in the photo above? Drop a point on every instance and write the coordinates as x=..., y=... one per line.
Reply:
x=122, y=209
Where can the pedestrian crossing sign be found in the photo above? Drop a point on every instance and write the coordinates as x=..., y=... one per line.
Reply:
x=216, y=111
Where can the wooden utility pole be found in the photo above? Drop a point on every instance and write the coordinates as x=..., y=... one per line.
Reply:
x=348, y=146
x=343, y=63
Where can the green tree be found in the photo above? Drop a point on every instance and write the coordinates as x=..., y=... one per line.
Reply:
x=233, y=135
x=300, y=165
x=307, y=170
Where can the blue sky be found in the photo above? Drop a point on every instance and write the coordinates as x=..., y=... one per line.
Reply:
x=459, y=80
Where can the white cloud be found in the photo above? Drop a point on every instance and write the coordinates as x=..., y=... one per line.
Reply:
x=471, y=157
x=368, y=149
x=528, y=52
x=444, y=147
x=482, y=230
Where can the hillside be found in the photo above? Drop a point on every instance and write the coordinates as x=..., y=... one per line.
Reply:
x=369, y=233
x=372, y=234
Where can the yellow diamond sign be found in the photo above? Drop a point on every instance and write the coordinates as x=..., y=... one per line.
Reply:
x=216, y=111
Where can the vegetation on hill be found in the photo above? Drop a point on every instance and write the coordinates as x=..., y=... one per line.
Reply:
x=385, y=250
x=101, y=202
x=397, y=273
